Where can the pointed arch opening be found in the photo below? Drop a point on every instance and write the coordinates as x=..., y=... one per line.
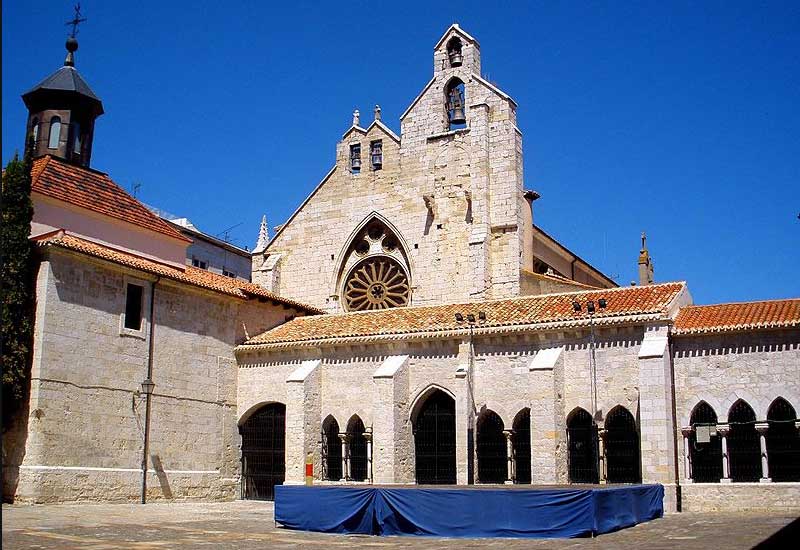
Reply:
x=783, y=442
x=454, y=54
x=331, y=450
x=263, y=451
x=583, y=447
x=522, y=446
x=744, y=446
x=623, y=457
x=357, y=446
x=705, y=457
x=434, y=429
x=374, y=272
x=491, y=448
x=455, y=105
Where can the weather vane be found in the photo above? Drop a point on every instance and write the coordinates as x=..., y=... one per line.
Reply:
x=77, y=20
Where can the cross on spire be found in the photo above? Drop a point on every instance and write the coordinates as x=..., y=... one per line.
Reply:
x=77, y=20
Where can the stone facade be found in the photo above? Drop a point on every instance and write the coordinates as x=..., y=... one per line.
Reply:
x=81, y=438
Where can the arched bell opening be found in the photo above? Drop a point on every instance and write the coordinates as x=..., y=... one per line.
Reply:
x=331, y=450
x=583, y=447
x=492, y=448
x=783, y=442
x=454, y=54
x=455, y=104
x=357, y=443
x=744, y=445
x=522, y=446
x=705, y=456
x=263, y=452
x=623, y=458
x=434, y=429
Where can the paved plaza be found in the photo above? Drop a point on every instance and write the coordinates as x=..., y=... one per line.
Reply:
x=248, y=524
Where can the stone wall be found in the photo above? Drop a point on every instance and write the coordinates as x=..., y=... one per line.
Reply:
x=736, y=497
x=82, y=436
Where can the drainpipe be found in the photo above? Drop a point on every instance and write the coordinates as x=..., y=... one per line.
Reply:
x=149, y=395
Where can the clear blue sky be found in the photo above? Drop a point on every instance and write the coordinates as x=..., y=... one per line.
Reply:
x=678, y=118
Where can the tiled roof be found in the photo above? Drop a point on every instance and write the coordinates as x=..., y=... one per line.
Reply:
x=94, y=191
x=742, y=316
x=191, y=275
x=549, y=310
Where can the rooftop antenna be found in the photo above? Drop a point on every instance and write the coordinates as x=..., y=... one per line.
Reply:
x=224, y=234
x=77, y=20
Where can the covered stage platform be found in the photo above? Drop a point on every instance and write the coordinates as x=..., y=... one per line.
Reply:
x=475, y=511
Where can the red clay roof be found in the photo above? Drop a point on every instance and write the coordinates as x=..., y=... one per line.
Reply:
x=94, y=191
x=548, y=309
x=191, y=275
x=741, y=316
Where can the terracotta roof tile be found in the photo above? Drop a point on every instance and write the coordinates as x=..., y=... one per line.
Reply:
x=741, y=316
x=191, y=275
x=94, y=191
x=546, y=310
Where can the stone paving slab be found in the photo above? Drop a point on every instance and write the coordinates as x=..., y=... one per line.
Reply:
x=250, y=525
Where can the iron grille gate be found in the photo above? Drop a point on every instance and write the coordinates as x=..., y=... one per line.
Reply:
x=492, y=459
x=435, y=440
x=331, y=452
x=783, y=444
x=706, y=458
x=358, y=450
x=263, y=452
x=622, y=448
x=583, y=460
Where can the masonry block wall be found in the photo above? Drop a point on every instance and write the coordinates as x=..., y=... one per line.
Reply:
x=85, y=423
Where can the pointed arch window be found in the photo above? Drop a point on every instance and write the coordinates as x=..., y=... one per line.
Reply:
x=331, y=450
x=55, y=133
x=705, y=456
x=744, y=447
x=783, y=443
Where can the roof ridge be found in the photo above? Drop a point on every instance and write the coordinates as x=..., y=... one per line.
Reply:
x=771, y=300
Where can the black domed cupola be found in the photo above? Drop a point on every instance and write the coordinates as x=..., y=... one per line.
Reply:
x=61, y=113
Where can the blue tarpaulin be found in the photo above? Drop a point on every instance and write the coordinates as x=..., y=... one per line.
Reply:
x=525, y=513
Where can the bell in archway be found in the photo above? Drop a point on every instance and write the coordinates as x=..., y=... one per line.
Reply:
x=455, y=57
x=455, y=107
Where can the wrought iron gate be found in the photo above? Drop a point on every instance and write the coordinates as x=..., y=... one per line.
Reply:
x=435, y=440
x=358, y=450
x=492, y=454
x=582, y=436
x=263, y=452
x=331, y=451
x=622, y=448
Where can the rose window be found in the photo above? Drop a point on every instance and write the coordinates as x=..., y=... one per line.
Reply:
x=378, y=282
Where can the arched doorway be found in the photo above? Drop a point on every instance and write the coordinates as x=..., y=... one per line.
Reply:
x=622, y=447
x=492, y=454
x=263, y=452
x=331, y=450
x=705, y=458
x=783, y=443
x=522, y=446
x=744, y=445
x=582, y=438
x=358, y=449
x=435, y=440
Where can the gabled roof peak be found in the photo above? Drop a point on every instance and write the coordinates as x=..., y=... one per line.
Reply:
x=454, y=28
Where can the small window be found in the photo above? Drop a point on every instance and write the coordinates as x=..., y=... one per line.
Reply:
x=133, y=307
x=376, y=154
x=355, y=158
x=76, y=138
x=35, y=130
x=55, y=132
x=227, y=273
x=199, y=263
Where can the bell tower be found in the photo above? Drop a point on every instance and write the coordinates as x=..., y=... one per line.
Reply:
x=62, y=110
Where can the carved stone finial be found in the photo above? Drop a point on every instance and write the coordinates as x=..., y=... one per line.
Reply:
x=356, y=118
x=263, y=237
x=377, y=112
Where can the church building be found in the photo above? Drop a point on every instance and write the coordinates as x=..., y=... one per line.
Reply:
x=410, y=323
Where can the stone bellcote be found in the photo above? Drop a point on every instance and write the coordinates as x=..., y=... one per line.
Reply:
x=62, y=110
x=458, y=51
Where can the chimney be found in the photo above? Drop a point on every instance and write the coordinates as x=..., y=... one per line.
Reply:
x=645, y=264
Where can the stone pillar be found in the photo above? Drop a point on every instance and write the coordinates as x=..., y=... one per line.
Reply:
x=762, y=428
x=465, y=417
x=510, y=476
x=368, y=437
x=687, y=455
x=391, y=438
x=302, y=419
x=547, y=416
x=345, y=459
x=723, y=431
x=601, y=453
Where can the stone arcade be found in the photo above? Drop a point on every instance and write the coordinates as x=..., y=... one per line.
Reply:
x=408, y=324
